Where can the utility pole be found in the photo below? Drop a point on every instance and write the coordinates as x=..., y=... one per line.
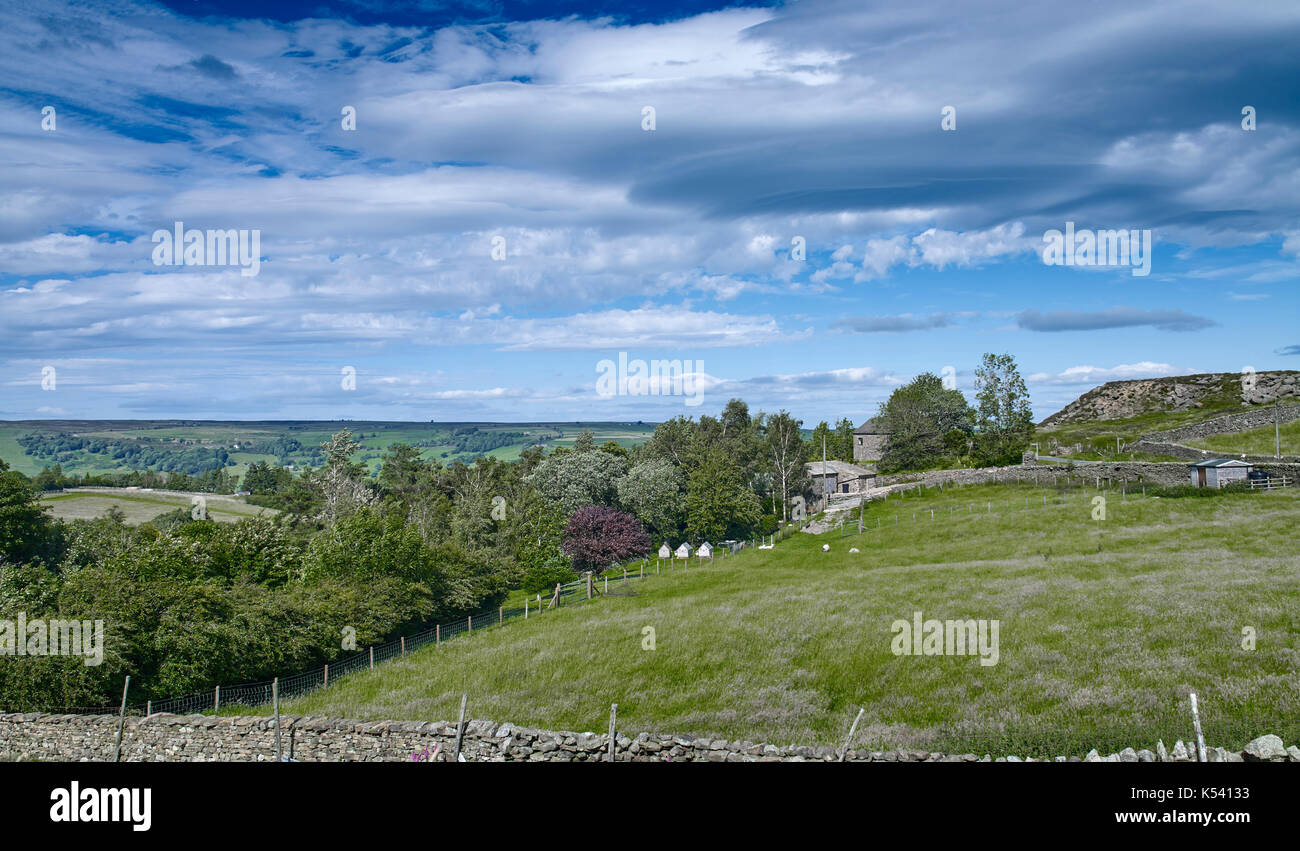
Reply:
x=826, y=496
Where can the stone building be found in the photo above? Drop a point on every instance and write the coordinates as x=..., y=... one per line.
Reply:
x=869, y=441
x=832, y=477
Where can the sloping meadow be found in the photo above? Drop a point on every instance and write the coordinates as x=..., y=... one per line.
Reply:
x=1084, y=633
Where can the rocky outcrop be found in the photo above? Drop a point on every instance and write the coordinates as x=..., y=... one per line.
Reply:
x=1117, y=400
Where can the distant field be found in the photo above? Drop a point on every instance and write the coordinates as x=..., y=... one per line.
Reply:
x=169, y=441
x=1258, y=441
x=141, y=506
x=1105, y=629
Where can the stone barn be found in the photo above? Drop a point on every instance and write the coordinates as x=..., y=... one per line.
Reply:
x=832, y=477
x=1217, y=472
x=869, y=441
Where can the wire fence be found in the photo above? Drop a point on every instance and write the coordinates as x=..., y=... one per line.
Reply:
x=295, y=685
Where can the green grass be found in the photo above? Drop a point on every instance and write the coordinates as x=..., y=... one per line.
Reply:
x=1105, y=629
x=141, y=506
x=374, y=437
x=1098, y=437
x=1257, y=441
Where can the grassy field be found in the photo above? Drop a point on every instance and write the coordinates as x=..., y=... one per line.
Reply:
x=435, y=440
x=1105, y=627
x=141, y=506
x=1098, y=437
x=1257, y=441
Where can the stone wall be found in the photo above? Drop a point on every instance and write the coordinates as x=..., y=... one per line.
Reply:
x=202, y=738
x=1149, y=472
x=1244, y=421
x=1191, y=453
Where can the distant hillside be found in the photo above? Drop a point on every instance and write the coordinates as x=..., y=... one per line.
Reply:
x=191, y=446
x=1215, y=392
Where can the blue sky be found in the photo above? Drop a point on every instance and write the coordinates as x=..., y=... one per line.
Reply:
x=811, y=120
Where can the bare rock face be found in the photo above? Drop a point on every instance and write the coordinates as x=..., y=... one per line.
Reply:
x=1122, y=399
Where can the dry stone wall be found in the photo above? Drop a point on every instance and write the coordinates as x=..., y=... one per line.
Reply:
x=1244, y=421
x=1149, y=472
x=202, y=738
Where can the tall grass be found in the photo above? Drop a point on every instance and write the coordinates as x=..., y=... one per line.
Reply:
x=1106, y=627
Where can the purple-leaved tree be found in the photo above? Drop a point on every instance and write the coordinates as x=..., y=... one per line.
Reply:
x=597, y=536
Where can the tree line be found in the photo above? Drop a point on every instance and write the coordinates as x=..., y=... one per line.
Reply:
x=190, y=603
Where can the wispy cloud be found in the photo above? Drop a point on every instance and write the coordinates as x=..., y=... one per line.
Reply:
x=1115, y=317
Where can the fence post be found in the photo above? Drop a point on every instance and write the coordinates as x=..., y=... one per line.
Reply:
x=216, y=699
x=437, y=635
x=403, y=645
x=613, y=713
x=588, y=585
x=275, y=704
x=460, y=725
x=327, y=675
x=1200, y=740
x=845, y=750
x=501, y=616
x=526, y=602
x=121, y=722
x=469, y=624
x=148, y=708
x=372, y=656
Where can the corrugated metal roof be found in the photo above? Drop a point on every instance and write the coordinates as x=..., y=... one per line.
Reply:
x=1221, y=462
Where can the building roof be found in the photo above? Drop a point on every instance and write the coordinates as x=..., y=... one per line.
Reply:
x=1221, y=462
x=871, y=426
x=839, y=469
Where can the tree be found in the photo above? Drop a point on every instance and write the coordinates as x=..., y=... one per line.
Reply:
x=843, y=442
x=917, y=416
x=24, y=526
x=652, y=490
x=597, y=536
x=404, y=474
x=1005, y=423
x=340, y=483
x=786, y=453
x=735, y=418
x=822, y=437
x=672, y=440
x=718, y=505
x=262, y=478
x=579, y=478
